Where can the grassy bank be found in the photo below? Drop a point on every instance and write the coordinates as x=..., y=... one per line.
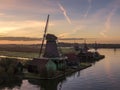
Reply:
x=18, y=54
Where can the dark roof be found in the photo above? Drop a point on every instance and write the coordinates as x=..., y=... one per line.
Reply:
x=71, y=57
x=38, y=61
x=51, y=37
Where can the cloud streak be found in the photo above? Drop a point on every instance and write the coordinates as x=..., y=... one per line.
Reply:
x=89, y=7
x=108, y=22
x=64, y=13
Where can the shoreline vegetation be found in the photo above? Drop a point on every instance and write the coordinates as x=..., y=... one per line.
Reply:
x=10, y=69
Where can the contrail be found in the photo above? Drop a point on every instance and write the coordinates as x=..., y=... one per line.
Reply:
x=108, y=22
x=64, y=13
x=86, y=14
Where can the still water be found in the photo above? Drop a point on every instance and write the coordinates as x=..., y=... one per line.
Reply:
x=102, y=75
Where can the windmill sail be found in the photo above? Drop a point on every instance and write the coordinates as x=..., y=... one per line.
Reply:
x=44, y=35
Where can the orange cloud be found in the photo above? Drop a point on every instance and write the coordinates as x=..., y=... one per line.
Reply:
x=19, y=28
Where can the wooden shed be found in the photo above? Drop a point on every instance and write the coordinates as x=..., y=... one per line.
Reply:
x=39, y=65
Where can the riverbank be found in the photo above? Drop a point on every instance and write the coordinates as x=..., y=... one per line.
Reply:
x=58, y=74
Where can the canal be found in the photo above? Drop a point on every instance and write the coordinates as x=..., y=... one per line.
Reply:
x=102, y=75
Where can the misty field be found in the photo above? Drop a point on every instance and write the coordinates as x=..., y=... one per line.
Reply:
x=62, y=50
x=18, y=54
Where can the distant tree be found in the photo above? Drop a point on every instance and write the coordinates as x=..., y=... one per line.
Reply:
x=9, y=67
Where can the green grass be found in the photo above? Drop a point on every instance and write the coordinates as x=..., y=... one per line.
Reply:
x=31, y=75
x=18, y=54
x=65, y=50
x=85, y=64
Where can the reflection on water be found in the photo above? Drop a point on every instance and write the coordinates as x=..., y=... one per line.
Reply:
x=46, y=84
x=103, y=75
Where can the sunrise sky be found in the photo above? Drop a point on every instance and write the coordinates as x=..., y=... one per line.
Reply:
x=99, y=19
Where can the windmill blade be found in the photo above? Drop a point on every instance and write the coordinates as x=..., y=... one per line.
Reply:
x=45, y=31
